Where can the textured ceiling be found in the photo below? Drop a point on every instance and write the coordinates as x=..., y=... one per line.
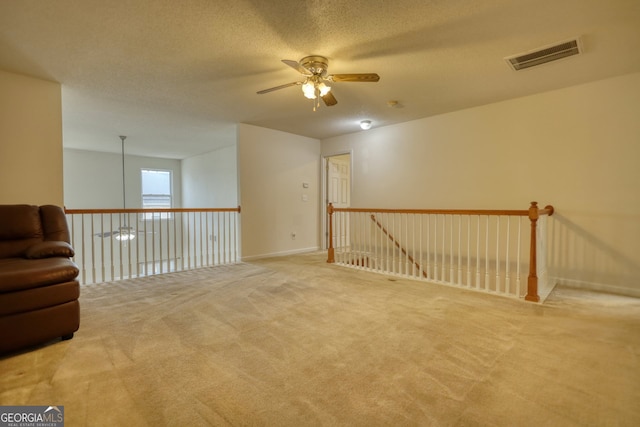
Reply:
x=177, y=76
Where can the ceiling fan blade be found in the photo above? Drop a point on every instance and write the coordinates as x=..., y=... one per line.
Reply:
x=296, y=66
x=329, y=99
x=271, y=89
x=362, y=77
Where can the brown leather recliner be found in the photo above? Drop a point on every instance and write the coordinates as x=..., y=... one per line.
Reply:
x=38, y=287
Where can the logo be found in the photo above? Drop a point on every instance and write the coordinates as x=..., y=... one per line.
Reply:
x=31, y=416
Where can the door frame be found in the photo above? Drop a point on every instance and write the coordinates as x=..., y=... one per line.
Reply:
x=325, y=193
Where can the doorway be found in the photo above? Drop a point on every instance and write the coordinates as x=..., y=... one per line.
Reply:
x=337, y=190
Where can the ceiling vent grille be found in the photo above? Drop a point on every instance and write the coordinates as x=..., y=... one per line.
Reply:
x=544, y=55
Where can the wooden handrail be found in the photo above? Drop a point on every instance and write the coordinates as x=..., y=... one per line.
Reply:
x=161, y=210
x=523, y=212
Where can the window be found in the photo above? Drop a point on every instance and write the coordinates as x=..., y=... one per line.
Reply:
x=156, y=191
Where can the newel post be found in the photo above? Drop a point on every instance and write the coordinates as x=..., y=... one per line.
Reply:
x=330, y=251
x=532, y=282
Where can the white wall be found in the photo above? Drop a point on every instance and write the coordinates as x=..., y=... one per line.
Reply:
x=273, y=166
x=577, y=148
x=210, y=180
x=93, y=180
x=31, y=141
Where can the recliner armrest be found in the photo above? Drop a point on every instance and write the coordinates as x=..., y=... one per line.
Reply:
x=49, y=249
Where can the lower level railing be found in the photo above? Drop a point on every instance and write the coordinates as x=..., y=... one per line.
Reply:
x=495, y=251
x=116, y=244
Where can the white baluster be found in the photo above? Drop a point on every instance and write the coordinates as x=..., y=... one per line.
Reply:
x=497, y=253
x=459, y=250
x=451, y=264
x=444, y=238
x=468, y=251
x=507, y=281
x=486, y=256
x=518, y=290
x=478, y=254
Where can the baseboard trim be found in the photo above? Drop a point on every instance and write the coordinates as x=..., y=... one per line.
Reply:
x=597, y=287
x=283, y=253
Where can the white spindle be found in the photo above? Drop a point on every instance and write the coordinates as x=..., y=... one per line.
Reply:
x=459, y=250
x=219, y=240
x=111, y=248
x=93, y=251
x=135, y=230
x=409, y=265
x=435, y=248
x=360, y=240
x=414, y=250
x=153, y=244
x=234, y=238
x=468, y=251
x=84, y=269
x=451, y=264
x=428, y=244
x=169, y=237
x=121, y=244
x=507, y=279
x=388, y=244
x=478, y=254
x=140, y=259
x=518, y=291
x=193, y=232
x=497, y=253
x=444, y=238
x=486, y=255
x=420, y=236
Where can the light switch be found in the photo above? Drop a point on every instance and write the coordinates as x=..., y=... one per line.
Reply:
x=305, y=198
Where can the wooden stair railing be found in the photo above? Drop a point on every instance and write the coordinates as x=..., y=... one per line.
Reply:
x=114, y=244
x=533, y=213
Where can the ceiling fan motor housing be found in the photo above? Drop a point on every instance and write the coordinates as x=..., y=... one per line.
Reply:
x=317, y=65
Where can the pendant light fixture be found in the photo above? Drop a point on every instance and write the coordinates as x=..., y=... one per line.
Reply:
x=124, y=232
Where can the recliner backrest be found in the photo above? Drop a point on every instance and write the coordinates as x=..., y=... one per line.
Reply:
x=54, y=223
x=21, y=226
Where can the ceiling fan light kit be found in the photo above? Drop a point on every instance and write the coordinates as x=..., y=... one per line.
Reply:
x=314, y=87
x=314, y=69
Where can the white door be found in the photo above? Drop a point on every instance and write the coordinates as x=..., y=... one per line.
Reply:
x=339, y=194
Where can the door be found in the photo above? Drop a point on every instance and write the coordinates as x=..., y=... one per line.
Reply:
x=339, y=194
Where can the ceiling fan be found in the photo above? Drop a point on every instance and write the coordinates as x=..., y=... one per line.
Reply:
x=315, y=85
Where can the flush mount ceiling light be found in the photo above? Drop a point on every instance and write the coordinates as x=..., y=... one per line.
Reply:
x=365, y=124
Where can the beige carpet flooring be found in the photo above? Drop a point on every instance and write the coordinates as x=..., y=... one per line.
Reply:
x=292, y=341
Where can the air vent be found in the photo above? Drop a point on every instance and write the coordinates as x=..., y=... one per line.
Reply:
x=544, y=55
